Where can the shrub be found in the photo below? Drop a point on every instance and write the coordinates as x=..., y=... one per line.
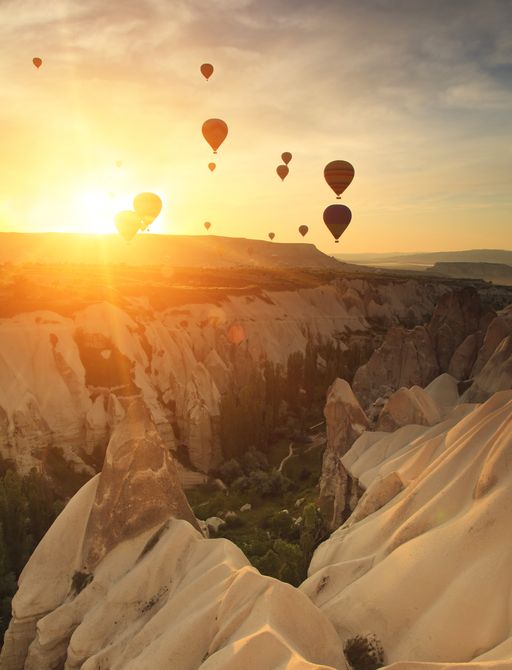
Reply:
x=364, y=652
x=253, y=460
x=230, y=470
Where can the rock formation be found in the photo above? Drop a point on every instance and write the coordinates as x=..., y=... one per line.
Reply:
x=65, y=381
x=122, y=581
x=450, y=342
x=345, y=421
x=423, y=564
x=409, y=406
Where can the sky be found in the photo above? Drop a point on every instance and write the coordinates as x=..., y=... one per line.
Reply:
x=416, y=94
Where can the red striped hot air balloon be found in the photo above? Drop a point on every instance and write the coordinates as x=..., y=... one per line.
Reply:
x=282, y=171
x=338, y=174
x=37, y=62
x=206, y=70
x=215, y=132
x=337, y=218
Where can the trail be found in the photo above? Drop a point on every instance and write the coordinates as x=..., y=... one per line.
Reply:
x=286, y=458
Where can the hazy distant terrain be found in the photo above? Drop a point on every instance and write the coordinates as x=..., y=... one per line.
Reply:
x=420, y=261
x=172, y=250
x=498, y=273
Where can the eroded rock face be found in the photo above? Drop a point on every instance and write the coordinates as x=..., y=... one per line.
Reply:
x=450, y=342
x=177, y=362
x=457, y=315
x=405, y=358
x=497, y=330
x=345, y=421
x=138, y=488
x=496, y=374
x=122, y=581
x=409, y=406
x=436, y=519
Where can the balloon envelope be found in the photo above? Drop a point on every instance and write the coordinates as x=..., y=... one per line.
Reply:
x=127, y=223
x=148, y=206
x=37, y=62
x=212, y=166
x=286, y=157
x=119, y=163
x=337, y=218
x=207, y=225
x=215, y=132
x=303, y=230
x=338, y=174
x=271, y=236
x=282, y=171
x=206, y=70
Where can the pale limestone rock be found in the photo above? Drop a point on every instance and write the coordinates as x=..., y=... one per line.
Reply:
x=464, y=357
x=345, y=421
x=497, y=330
x=496, y=374
x=405, y=358
x=383, y=574
x=409, y=406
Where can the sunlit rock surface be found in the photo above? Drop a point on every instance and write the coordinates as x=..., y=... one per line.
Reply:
x=424, y=563
x=345, y=422
x=123, y=580
x=65, y=382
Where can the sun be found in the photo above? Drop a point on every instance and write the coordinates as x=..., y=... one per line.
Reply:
x=94, y=210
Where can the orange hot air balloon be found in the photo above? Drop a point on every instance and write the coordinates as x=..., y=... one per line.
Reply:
x=37, y=62
x=206, y=70
x=338, y=174
x=282, y=171
x=271, y=236
x=128, y=224
x=215, y=132
x=337, y=218
x=207, y=225
x=303, y=230
x=148, y=206
x=286, y=157
x=212, y=166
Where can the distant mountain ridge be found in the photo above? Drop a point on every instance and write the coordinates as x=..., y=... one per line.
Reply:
x=174, y=250
x=426, y=259
x=498, y=273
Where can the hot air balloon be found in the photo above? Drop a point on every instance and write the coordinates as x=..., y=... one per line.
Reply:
x=286, y=157
x=271, y=236
x=127, y=223
x=303, y=230
x=206, y=70
x=148, y=206
x=207, y=225
x=282, y=171
x=37, y=62
x=338, y=174
x=215, y=132
x=119, y=164
x=212, y=166
x=337, y=218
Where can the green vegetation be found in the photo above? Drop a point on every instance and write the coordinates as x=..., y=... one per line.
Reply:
x=283, y=527
x=27, y=509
